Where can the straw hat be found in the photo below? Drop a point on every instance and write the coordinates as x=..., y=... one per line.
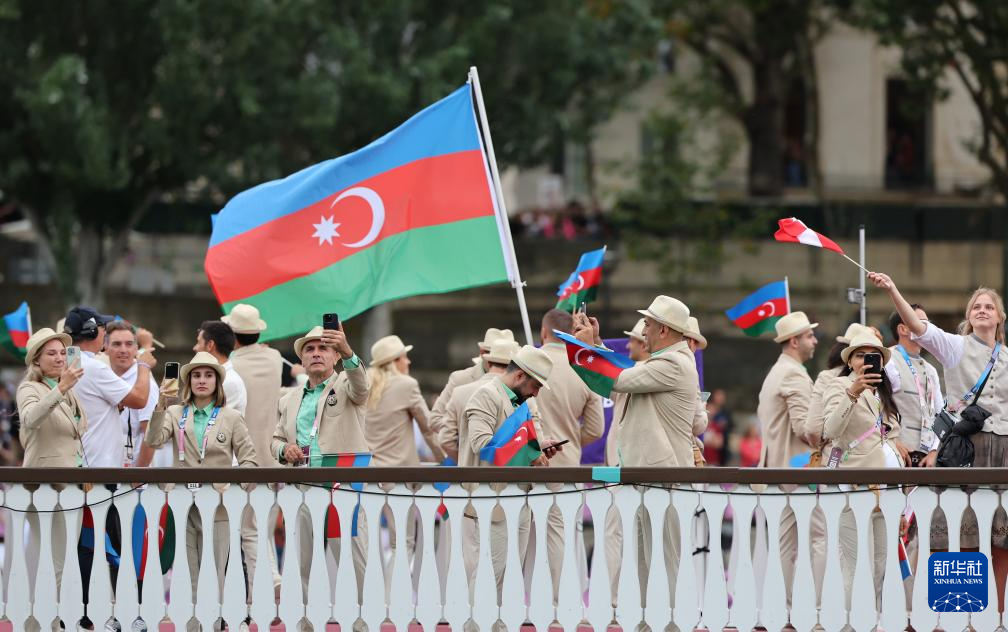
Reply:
x=792, y=325
x=535, y=362
x=502, y=351
x=668, y=311
x=866, y=339
x=244, y=319
x=694, y=332
x=388, y=349
x=495, y=334
x=39, y=340
x=202, y=358
x=314, y=334
x=637, y=332
x=853, y=330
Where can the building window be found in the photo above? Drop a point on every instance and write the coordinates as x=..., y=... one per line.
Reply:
x=795, y=155
x=908, y=137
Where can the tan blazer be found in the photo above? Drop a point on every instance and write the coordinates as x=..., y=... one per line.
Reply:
x=229, y=437
x=49, y=432
x=783, y=410
x=341, y=423
x=815, y=420
x=846, y=421
x=260, y=367
x=488, y=407
x=656, y=425
x=389, y=427
x=451, y=420
x=569, y=409
x=458, y=378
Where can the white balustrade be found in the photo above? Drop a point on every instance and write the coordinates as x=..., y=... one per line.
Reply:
x=424, y=579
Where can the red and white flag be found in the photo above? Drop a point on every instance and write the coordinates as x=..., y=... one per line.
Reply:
x=794, y=230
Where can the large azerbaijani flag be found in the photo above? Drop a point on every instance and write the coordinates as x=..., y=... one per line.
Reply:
x=582, y=285
x=515, y=443
x=411, y=213
x=757, y=313
x=15, y=329
x=598, y=368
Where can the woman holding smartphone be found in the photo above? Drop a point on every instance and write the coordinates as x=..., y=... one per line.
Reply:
x=859, y=409
x=205, y=434
x=52, y=418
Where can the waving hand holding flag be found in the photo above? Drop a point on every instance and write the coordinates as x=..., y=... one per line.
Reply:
x=598, y=368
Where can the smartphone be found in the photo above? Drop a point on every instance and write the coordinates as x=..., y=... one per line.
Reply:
x=330, y=321
x=171, y=370
x=582, y=308
x=559, y=443
x=873, y=363
x=73, y=355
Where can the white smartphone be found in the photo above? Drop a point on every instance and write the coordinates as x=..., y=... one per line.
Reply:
x=73, y=357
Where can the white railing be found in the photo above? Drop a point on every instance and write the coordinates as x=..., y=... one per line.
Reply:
x=433, y=585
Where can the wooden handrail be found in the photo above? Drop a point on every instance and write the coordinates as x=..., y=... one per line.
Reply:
x=631, y=475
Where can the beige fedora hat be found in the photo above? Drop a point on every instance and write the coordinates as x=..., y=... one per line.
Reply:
x=388, y=349
x=668, y=311
x=853, y=330
x=495, y=334
x=534, y=362
x=866, y=339
x=39, y=340
x=202, y=358
x=637, y=331
x=502, y=351
x=694, y=332
x=791, y=325
x=314, y=334
x=244, y=319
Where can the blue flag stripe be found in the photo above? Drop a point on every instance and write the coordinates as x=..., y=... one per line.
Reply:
x=506, y=432
x=777, y=289
x=447, y=126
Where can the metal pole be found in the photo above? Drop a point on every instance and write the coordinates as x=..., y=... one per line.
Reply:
x=503, y=224
x=864, y=296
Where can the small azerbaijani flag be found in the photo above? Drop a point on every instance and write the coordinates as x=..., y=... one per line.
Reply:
x=515, y=443
x=582, y=285
x=757, y=313
x=15, y=329
x=794, y=230
x=597, y=367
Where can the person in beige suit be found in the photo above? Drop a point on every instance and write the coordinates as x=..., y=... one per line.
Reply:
x=260, y=367
x=206, y=434
x=782, y=411
x=697, y=342
x=486, y=410
x=655, y=426
x=325, y=417
x=467, y=375
x=815, y=421
x=394, y=404
x=52, y=422
x=497, y=361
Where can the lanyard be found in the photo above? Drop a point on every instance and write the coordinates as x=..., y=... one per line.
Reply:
x=867, y=433
x=964, y=400
x=180, y=435
x=323, y=400
x=922, y=395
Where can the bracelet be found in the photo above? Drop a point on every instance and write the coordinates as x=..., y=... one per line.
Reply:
x=854, y=398
x=144, y=364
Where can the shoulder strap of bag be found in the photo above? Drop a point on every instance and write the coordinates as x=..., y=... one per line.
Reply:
x=987, y=372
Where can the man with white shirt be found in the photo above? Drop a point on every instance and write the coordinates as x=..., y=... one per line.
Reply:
x=218, y=339
x=916, y=390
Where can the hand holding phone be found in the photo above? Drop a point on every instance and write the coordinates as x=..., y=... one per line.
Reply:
x=171, y=370
x=873, y=363
x=330, y=321
x=73, y=357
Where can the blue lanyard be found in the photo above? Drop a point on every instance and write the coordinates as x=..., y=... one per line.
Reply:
x=922, y=395
x=982, y=379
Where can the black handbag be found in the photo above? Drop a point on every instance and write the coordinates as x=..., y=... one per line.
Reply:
x=955, y=448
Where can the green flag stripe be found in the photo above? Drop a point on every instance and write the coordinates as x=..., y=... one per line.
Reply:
x=764, y=326
x=427, y=260
x=597, y=382
x=574, y=300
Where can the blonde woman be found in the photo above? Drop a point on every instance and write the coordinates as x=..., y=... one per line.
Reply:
x=394, y=403
x=205, y=434
x=52, y=422
x=52, y=419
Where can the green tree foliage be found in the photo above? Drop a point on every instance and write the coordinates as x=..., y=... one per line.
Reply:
x=112, y=106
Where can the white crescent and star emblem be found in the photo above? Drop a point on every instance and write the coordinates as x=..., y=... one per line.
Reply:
x=577, y=357
x=580, y=283
x=762, y=311
x=326, y=229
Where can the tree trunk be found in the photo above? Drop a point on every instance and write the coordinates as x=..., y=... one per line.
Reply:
x=764, y=122
x=90, y=269
x=810, y=84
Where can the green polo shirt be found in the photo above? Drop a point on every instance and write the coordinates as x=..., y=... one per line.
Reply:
x=511, y=395
x=309, y=407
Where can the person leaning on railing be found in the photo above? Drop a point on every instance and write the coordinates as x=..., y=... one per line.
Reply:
x=964, y=357
x=205, y=434
x=52, y=418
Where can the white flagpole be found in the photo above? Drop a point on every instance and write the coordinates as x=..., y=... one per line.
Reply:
x=787, y=294
x=30, y=331
x=502, y=216
x=864, y=298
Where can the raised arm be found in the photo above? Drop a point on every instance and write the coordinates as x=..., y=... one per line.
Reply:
x=907, y=313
